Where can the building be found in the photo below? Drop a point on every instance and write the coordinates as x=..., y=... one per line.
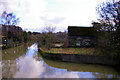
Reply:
x=11, y=33
x=81, y=36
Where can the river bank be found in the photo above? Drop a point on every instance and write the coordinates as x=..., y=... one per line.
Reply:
x=79, y=58
x=24, y=61
x=10, y=45
x=14, y=44
x=70, y=66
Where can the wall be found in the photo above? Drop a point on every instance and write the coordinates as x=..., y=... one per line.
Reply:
x=80, y=58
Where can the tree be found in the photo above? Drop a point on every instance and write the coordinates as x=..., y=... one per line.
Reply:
x=49, y=29
x=110, y=24
x=25, y=36
x=47, y=38
x=29, y=32
x=9, y=19
x=110, y=14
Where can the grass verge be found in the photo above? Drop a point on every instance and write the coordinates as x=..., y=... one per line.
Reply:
x=83, y=51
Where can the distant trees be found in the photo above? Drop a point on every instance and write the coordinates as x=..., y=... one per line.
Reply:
x=25, y=36
x=29, y=32
x=109, y=27
x=48, y=29
x=9, y=18
x=29, y=36
x=47, y=38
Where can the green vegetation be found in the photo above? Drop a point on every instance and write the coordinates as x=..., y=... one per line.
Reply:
x=48, y=39
x=81, y=51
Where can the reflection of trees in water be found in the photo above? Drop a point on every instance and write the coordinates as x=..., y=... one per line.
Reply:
x=10, y=57
x=99, y=75
x=97, y=71
x=13, y=53
x=37, y=57
x=9, y=68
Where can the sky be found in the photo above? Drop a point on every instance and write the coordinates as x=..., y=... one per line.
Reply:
x=36, y=14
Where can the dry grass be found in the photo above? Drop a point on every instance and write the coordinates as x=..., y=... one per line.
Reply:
x=58, y=45
x=84, y=51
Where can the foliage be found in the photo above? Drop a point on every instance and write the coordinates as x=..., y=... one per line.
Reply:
x=25, y=36
x=9, y=19
x=109, y=27
x=28, y=36
x=47, y=38
x=29, y=32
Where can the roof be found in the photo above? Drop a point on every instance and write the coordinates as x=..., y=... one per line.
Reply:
x=81, y=31
x=12, y=26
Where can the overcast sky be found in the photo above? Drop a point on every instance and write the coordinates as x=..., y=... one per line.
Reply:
x=35, y=14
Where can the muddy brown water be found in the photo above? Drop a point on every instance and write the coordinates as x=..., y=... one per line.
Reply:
x=26, y=62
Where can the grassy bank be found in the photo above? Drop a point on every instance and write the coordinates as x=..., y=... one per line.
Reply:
x=83, y=51
x=59, y=55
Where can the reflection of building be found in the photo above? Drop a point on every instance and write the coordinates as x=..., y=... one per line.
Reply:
x=81, y=36
x=11, y=33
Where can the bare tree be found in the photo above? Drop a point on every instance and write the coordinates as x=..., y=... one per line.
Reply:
x=48, y=37
x=9, y=19
x=109, y=13
x=49, y=28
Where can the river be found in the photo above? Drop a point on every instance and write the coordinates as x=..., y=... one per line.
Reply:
x=26, y=62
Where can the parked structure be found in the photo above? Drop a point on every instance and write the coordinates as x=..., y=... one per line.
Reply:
x=81, y=36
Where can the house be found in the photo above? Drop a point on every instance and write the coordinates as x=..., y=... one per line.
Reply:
x=11, y=33
x=81, y=36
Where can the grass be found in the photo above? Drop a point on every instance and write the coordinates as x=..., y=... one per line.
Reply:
x=84, y=51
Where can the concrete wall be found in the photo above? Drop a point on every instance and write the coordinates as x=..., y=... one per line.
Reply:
x=89, y=59
x=80, y=58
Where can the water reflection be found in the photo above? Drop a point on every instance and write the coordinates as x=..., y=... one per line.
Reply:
x=83, y=70
x=14, y=53
x=10, y=58
x=9, y=68
x=28, y=63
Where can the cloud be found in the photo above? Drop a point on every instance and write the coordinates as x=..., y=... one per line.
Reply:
x=34, y=14
x=32, y=8
x=74, y=12
x=28, y=11
x=62, y=74
x=55, y=20
x=30, y=68
x=8, y=5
